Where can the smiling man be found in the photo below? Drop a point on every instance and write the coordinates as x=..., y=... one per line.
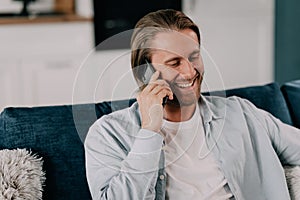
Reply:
x=191, y=146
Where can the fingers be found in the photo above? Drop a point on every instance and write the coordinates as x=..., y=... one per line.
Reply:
x=158, y=87
x=157, y=90
x=154, y=77
x=162, y=90
x=161, y=83
x=150, y=102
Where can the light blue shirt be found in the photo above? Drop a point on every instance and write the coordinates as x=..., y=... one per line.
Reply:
x=250, y=146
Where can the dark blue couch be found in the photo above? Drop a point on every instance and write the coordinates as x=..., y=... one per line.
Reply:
x=56, y=133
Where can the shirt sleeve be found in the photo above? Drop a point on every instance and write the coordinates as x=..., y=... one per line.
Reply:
x=119, y=168
x=285, y=138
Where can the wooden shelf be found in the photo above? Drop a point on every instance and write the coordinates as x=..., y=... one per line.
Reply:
x=43, y=19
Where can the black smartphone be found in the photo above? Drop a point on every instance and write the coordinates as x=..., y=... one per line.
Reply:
x=148, y=72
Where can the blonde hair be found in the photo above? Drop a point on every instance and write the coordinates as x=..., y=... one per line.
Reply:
x=148, y=27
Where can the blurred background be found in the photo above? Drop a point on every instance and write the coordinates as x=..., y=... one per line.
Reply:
x=55, y=52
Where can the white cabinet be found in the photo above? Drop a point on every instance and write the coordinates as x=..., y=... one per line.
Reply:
x=49, y=81
x=9, y=83
x=39, y=62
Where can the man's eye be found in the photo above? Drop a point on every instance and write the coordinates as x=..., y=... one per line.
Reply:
x=174, y=63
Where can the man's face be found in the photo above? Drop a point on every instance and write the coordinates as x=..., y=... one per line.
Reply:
x=177, y=56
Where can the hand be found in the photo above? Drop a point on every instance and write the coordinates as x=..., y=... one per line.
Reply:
x=150, y=102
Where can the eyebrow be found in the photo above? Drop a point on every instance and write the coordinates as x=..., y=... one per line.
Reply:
x=177, y=58
x=195, y=52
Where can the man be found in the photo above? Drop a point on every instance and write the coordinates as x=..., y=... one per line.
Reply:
x=189, y=146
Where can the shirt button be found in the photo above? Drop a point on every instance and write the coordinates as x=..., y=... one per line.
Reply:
x=161, y=177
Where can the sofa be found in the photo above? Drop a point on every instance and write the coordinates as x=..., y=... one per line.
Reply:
x=56, y=133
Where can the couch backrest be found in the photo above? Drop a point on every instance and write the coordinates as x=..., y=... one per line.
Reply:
x=51, y=133
x=267, y=97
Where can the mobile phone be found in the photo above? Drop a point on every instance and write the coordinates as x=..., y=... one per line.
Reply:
x=148, y=72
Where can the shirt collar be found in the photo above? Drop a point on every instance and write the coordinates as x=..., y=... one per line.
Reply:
x=212, y=109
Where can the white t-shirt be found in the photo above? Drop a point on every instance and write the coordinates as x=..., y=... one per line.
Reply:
x=191, y=168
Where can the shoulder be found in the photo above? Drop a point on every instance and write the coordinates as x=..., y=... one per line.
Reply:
x=120, y=118
x=118, y=124
x=129, y=114
x=232, y=102
x=229, y=107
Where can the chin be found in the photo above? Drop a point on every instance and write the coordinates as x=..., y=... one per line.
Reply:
x=184, y=100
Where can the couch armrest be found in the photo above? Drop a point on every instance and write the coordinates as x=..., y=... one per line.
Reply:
x=291, y=93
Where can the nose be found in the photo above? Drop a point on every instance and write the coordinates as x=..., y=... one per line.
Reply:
x=187, y=69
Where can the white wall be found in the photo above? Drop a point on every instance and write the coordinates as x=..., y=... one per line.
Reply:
x=239, y=37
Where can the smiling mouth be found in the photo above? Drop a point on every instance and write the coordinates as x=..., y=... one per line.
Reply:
x=189, y=83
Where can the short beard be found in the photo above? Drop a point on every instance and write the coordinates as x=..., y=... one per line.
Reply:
x=180, y=102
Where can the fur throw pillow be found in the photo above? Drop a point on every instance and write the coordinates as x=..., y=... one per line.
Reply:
x=21, y=175
x=292, y=174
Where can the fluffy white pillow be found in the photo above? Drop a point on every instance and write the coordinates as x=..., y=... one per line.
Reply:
x=292, y=174
x=21, y=175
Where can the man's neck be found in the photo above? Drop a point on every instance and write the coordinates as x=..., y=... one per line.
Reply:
x=179, y=113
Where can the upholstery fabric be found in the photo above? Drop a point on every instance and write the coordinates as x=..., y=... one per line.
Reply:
x=50, y=132
x=110, y=106
x=267, y=97
x=291, y=92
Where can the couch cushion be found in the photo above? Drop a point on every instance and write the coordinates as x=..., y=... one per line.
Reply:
x=107, y=107
x=267, y=97
x=291, y=92
x=51, y=132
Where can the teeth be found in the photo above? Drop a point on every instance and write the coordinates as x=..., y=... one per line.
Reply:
x=184, y=85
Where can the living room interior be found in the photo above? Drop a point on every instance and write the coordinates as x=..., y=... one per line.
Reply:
x=51, y=60
x=54, y=65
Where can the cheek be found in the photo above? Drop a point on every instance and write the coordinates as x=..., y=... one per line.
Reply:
x=200, y=65
x=168, y=74
x=199, y=68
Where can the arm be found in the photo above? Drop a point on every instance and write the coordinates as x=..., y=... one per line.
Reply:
x=114, y=173
x=285, y=138
x=119, y=168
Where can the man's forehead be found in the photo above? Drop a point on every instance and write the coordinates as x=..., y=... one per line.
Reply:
x=179, y=43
